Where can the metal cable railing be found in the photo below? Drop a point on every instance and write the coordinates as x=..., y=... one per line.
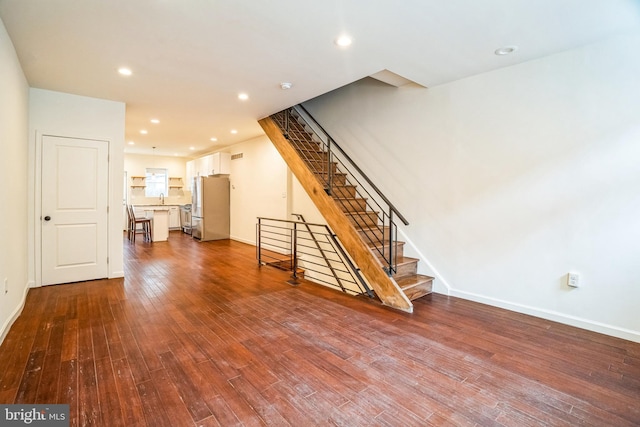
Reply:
x=309, y=249
x=365, y=205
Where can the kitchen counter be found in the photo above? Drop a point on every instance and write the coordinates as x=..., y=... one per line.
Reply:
x=158, y=207
x=159, y=215
x=143, y=209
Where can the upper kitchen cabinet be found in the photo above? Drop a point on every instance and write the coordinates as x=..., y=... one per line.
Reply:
x=213, y=164
x=217, y=164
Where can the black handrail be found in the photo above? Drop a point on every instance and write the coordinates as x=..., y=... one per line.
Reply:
x=356, y=167
x=287, y=240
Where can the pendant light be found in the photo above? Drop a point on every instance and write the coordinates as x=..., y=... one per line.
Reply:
x=153, y=162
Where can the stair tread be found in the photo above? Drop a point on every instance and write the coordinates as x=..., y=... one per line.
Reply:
x=416, y=286
x=400, y=260
x=374, y=245
x=406, y=260
x=363, y=213
x=414, y=280
x=349, y=198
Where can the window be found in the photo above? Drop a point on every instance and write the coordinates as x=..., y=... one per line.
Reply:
x=156, y=182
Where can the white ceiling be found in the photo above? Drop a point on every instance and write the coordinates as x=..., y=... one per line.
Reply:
x=191, y=58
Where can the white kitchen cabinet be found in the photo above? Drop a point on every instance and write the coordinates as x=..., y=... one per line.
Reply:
x=214, y=164
x=219, y=164
x=191, y=172
x=174, y=218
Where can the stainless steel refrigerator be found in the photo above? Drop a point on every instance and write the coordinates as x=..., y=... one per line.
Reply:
x=210, y=208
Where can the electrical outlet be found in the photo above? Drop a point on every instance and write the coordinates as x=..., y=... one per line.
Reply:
x=6, y=285
x=573, y=280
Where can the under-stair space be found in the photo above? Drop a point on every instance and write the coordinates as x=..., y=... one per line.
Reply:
x=356, y=211
x=310, y=251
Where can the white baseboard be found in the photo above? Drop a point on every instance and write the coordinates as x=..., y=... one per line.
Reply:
x=7, y=325
x=116, y=274
x=555, y=316
x=248, y=242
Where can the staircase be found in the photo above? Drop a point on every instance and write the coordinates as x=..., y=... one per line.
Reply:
x=361, y=217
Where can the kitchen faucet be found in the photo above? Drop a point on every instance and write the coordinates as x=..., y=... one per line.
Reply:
x=162, y=198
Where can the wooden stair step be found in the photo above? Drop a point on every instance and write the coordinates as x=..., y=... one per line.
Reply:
x=382, y=248
x=363, y=219
x=374, y=234
x=416, y=286
x=299, y=142
x=320, y=166
x=343, y=191
x=339, y=178
x=316, y=155
x=351, y=204
x=405, y=266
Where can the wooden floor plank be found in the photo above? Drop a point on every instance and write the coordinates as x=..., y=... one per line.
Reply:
x=172, y=402
x=131, y=406
x=110, y=403
x=68, y=389
x=152, y=406
x=197, y=334
x=88, y=395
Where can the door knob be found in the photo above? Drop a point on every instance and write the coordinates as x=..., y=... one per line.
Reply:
x=47, y=218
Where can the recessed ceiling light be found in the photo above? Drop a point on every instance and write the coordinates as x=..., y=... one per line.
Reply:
x=155, y=121
x=285, y=85
x=214, y=139
x=144, y=131
x=243, y=96
x=344, y=41
x=192, y=148
x=506, y=50
x=124, y=71
x=131, y=143
x=233, y=131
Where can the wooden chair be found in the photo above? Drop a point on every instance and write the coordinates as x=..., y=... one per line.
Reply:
x=133, y=229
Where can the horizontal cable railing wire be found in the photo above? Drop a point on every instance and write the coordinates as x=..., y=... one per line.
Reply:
x=368, y=209
x=309, y=249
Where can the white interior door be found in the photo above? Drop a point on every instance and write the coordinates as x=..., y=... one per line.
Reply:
x=74, y=209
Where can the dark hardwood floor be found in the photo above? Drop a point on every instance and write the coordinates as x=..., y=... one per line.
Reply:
x=198, y=335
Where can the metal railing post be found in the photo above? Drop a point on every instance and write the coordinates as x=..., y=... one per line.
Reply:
x=392, y=266
x=329, y=168
x=294, y=247
x=259, y=246
x=286, y=123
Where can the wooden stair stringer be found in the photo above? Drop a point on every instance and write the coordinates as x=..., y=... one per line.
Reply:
x=385, y=287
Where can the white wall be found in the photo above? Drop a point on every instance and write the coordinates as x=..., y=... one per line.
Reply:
x=512, y=178
x=14, y=115
x=56, y=113
x=258, y=187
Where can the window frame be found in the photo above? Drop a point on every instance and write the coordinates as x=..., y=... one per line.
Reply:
x=153, y=187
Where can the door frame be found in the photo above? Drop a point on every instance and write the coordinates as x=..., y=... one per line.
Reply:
x=37, y=202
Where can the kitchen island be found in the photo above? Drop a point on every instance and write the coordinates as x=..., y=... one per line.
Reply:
x=159, y=216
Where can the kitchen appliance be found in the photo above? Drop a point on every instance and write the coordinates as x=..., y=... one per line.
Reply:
x=185, y=218
x=210, y=208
